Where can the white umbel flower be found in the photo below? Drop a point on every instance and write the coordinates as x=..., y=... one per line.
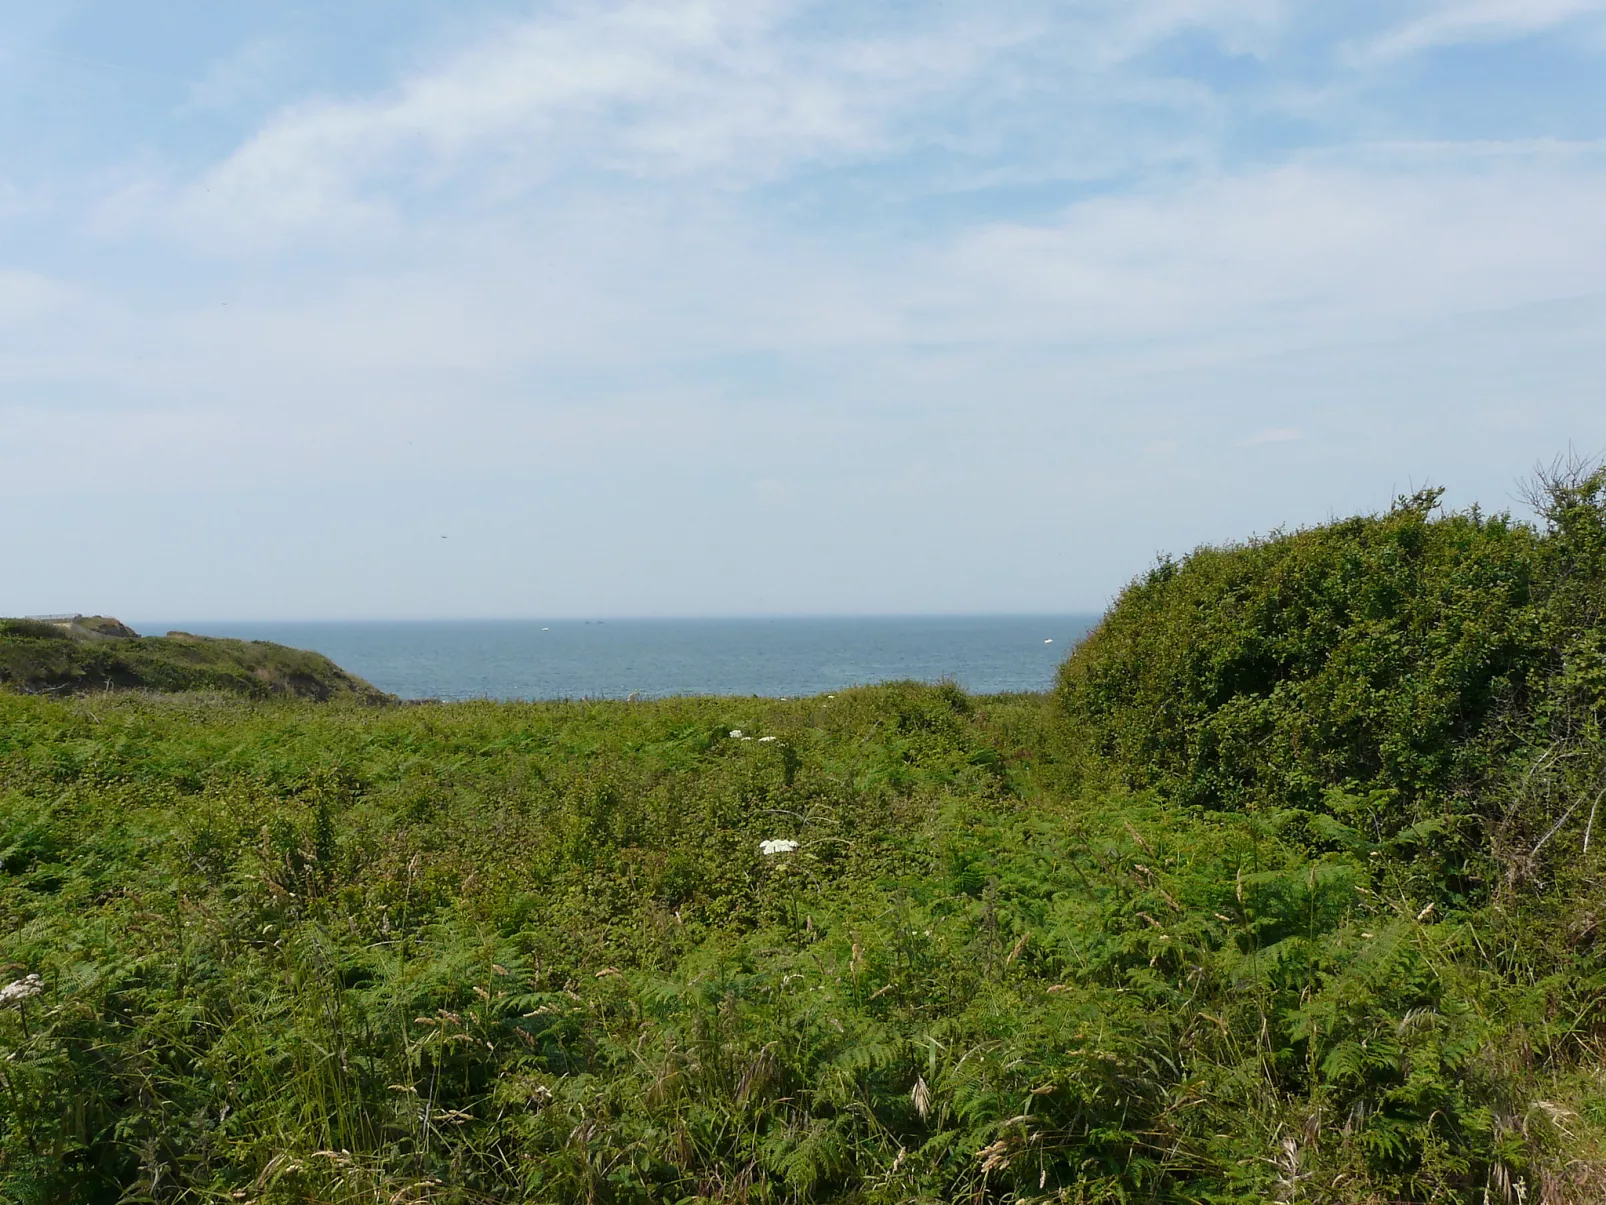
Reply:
x=31, y=985
x=776, y=845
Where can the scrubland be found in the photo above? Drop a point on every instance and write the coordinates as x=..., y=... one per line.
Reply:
x=1289, y=891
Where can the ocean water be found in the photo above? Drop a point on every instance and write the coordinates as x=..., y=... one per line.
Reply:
x=573, y=658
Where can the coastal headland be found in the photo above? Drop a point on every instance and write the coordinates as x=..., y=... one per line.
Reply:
x=78, y=654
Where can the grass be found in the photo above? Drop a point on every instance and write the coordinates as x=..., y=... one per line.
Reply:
x=1154, y=937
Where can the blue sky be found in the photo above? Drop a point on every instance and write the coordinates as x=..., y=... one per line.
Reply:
x=766, y=307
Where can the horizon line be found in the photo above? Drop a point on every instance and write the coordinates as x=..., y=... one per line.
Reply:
x=626, y=618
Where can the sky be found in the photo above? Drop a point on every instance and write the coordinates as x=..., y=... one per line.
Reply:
x=762, y=307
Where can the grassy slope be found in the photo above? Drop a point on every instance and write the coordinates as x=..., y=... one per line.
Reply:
x=39, y=658
x=533, y=952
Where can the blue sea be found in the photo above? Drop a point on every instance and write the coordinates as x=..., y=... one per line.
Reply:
x=615, y=658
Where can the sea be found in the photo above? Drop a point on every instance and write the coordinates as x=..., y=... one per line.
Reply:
x=654, y=658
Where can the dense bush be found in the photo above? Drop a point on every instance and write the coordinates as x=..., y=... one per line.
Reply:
x=1371, y=651
x=33, y=629
x=1416, y=659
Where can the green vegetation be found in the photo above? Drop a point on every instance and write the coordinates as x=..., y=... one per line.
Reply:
x=1290, y=891
x=100, y=654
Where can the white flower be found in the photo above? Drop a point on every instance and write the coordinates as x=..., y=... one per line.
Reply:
x=31, y=985
x=764, y=739
x=776, y=845
x=736, y=734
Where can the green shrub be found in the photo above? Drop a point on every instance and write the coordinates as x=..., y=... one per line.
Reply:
x=32, y=629
x=1411, y=656
x=1372, y=652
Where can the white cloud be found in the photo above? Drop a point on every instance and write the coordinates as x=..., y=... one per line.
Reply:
x=1325, y=250
x=638, y=90
x=1461, y=21
x=623, y=332
x=1328, y=247
x=1242, y=26
x=723, y=94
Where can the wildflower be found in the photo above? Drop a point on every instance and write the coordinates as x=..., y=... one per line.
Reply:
x=736, y=734
x=776, y=845
x=31, y=985
x=766, y=739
